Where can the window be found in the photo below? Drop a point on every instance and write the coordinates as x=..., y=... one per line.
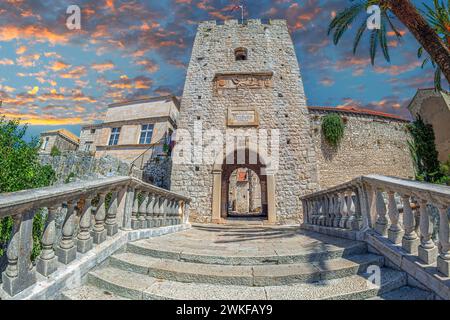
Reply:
x=92, y=131
x=87, y=146
x=44, y=144
x=240, y=54
x=114, y=138
x=146, y=134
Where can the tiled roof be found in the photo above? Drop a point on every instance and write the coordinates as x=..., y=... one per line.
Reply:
x=66, y=133
x=359, y=111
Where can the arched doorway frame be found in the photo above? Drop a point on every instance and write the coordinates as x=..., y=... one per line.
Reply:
x=262, y=168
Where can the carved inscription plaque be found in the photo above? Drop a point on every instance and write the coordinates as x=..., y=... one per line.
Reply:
x=242, y=117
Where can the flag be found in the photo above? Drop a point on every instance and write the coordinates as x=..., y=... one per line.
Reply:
x=236, y=8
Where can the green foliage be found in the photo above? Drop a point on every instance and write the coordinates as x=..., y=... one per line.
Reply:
x=424, y=153
x=439, y=19
x=333, y=128
x=55, y=152
x=20, y=170
x=69, y=177
x=357, y=14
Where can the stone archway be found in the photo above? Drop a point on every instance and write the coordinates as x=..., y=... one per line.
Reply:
x=221, y=175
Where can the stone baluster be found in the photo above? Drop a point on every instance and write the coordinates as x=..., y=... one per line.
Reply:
x=427, y=249
x=111, y=220
x=381, y=224
x=150, y=206
x=315, y=210
x=410, y=240
x=84, y=239
x=66, y=251
x=99, y=231
x=443, y=261
x=357, y=223
x=156, y=211
x=331, y=212
x=343, y=210
x=143, y=210
x=135, y=211
x=18, y=274
x=337, y=210
x=394, y=232
x=350, y=210
x=322, y=211
x=164, y=212
x=185, y=213
x=177, y=212
x=47, y=261
x=170, y=212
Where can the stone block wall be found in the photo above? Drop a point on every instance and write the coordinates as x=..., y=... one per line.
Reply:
x=371, y=145
x=282, y=105
x=83, y=166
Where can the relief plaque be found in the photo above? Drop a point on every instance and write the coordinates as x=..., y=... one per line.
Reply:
x=236, y=81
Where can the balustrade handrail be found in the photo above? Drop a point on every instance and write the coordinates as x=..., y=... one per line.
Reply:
x=120, y=202
x=403, y=211
x=414, y=187
x=17, y=202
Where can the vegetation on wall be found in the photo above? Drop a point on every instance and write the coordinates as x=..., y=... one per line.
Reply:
x=55, y=152
x=424, y=153
x=333, y=128
x=20, y=169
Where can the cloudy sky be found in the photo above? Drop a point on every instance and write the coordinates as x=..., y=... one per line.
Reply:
x=51, y=76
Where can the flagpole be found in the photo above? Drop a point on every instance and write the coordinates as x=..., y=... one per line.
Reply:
x=242, y=9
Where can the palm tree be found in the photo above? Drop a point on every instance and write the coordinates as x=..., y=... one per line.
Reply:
x=404, y=11
x=439, y=19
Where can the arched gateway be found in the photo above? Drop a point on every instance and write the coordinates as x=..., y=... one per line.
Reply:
x=222, y=173
x=245, y=77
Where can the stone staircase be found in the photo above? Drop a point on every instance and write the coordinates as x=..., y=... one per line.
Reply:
x=245, y=262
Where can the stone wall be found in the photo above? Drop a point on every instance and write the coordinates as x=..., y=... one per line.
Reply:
x=280, y=103
x=157, y=171
x=371, y=145
x=83, y=166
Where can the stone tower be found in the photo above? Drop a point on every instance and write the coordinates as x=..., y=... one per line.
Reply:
x=246, y=76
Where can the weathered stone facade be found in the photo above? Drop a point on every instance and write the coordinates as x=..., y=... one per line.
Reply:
x=62, y=139
x=141, y=126
x=268, y=84
x=371, y=145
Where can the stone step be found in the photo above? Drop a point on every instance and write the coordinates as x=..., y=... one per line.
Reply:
x=405, y=293
x=200, y=254
x=89, y=292
x=134, y=286
x=245, y=275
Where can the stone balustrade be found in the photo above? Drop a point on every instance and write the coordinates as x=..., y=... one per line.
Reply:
x=92, y=212
x=388, y=206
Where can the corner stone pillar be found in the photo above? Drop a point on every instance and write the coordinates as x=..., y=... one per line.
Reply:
x=217, y=190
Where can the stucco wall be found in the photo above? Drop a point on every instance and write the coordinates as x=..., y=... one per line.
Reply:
x=371, y=145
x=434, y=108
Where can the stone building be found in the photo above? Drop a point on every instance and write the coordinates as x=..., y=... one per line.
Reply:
x=133, y=130
x=434, y=108
x=62, y=139
x=246, y=77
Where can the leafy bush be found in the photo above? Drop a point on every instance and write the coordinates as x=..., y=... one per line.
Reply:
x=20, y=170
x=333, y=128
x=424, y=153
x=55, y=152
